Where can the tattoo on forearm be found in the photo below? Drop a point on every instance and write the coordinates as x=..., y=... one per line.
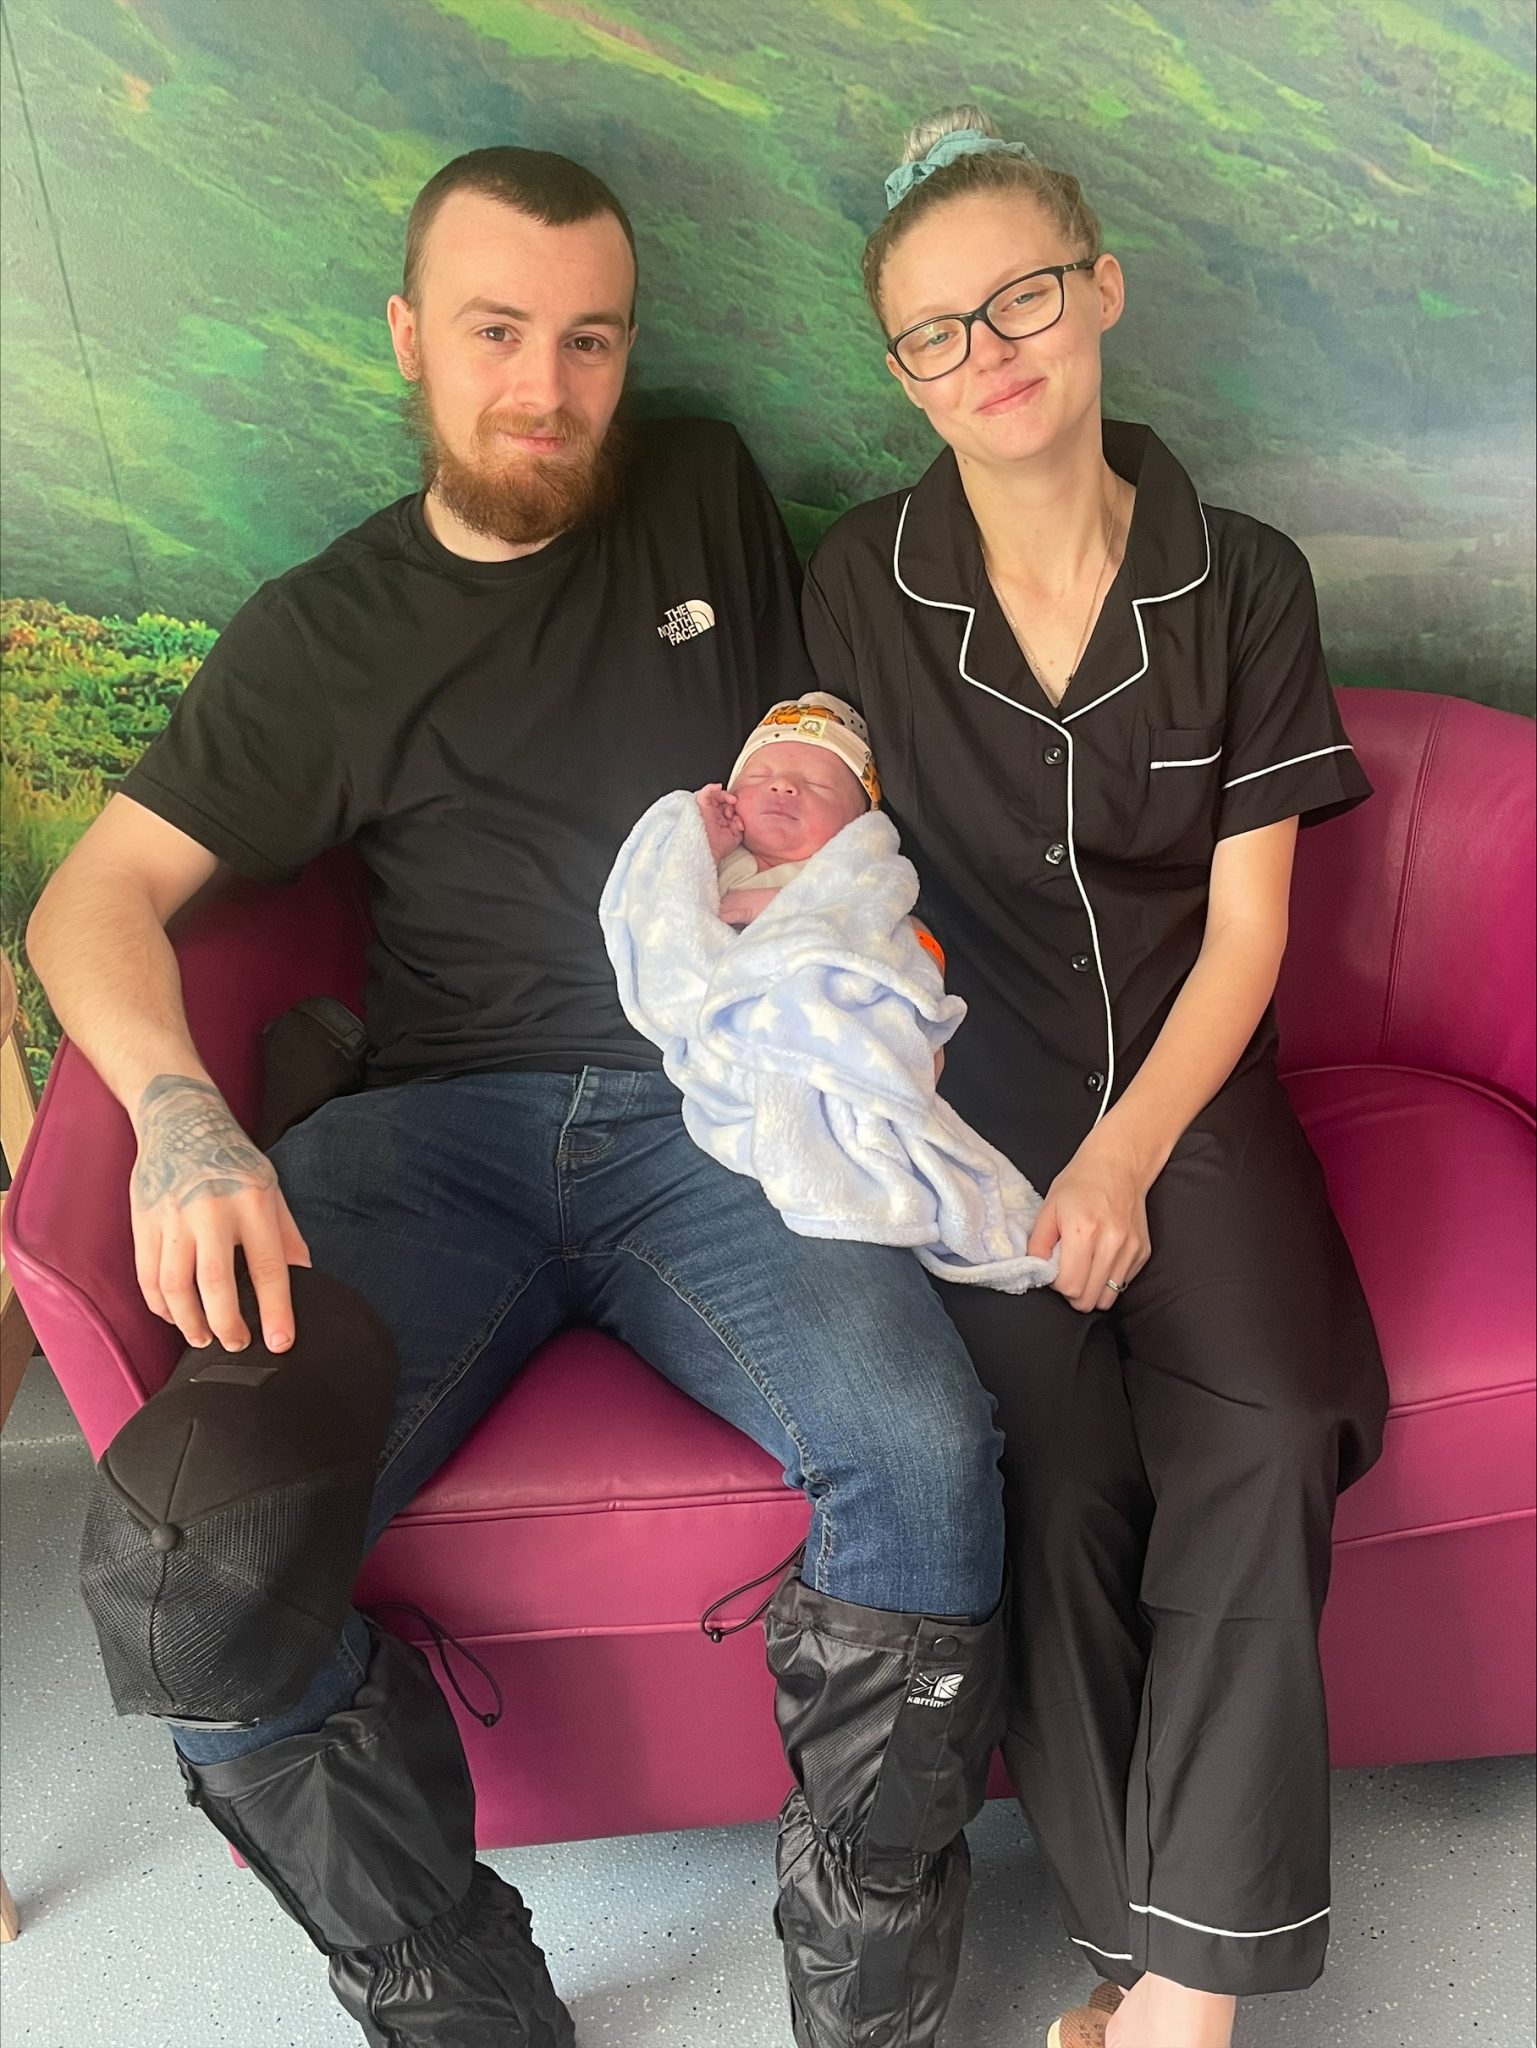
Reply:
x=190, y=1145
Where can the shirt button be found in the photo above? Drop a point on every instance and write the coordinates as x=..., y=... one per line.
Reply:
x=1081, y=963
x=1053, y=755
x=1095, y=1083
x=1055, y=855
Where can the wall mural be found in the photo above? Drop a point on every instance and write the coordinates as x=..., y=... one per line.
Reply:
x=1325, y=209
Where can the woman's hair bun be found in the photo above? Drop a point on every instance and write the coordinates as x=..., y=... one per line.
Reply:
x=956, y=153
x=923, y=135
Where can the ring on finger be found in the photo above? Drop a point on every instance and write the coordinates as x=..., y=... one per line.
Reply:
x=1118, y=1286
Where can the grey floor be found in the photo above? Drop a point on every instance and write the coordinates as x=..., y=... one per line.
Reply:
x=138, y=1931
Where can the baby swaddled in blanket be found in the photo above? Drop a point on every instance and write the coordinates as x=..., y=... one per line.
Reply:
x=763, y=937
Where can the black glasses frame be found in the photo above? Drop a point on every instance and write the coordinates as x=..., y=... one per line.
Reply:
x=969, y=320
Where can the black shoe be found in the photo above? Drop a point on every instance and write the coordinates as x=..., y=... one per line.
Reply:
x=889, y=1722
x=365, y=1832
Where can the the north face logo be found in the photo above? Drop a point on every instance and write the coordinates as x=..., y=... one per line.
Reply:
x=934, y=1689
x=687, y=621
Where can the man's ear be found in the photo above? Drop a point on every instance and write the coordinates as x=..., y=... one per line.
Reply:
x=401, y=315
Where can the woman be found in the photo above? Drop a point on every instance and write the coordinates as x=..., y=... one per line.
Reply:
x=1102, y=711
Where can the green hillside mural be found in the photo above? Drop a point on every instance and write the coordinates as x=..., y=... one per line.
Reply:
x=1325, y=208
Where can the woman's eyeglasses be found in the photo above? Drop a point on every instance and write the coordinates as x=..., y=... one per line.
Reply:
x=1025, y=306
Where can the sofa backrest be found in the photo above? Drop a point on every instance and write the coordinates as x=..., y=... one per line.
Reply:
x=249, y=953
x=1412, y=916
x=1412, y=943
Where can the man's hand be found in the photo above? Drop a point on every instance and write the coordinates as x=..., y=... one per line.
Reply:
x=1096, y=1208
x=199, y=1189
x=722, y=826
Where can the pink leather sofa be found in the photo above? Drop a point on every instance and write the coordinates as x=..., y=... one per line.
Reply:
x=578, y=1536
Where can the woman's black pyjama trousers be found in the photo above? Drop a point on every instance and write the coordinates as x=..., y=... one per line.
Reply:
x=1171, y=1475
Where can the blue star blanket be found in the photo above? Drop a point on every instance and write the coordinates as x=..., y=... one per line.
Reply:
x=804, y=1045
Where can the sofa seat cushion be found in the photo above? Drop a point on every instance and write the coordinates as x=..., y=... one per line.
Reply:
x=1433, y=1177
x=596, y=1497
x=593, y=1497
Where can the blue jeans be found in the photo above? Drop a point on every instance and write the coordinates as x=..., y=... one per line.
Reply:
x=480, y=1215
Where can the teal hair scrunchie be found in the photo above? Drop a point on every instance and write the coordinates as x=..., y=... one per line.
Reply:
x=959, y=142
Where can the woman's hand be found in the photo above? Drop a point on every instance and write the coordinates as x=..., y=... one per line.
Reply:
x=722, y=826
x=1096, y=1208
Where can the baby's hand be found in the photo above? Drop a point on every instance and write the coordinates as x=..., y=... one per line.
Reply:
x=741, y=906
x=722, y=826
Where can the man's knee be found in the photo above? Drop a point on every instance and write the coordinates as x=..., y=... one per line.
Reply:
x=227, y=1517
x=928, y=1479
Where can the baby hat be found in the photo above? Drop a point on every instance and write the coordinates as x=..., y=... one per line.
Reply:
x=817, y=720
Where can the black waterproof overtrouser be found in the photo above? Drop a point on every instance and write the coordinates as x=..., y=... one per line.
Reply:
x=365, y=1832
x=889, y=1723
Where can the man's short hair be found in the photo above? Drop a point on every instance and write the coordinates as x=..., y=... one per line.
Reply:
x=537, y=182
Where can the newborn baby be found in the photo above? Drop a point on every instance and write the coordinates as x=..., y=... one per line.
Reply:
x=776, y=813
x=805, y=772
x=806, y=1042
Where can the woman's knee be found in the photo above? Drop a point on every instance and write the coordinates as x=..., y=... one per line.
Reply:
x=1292, y=1442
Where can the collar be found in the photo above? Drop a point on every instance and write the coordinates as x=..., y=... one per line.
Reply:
x=1166, y=549
x=937, y=560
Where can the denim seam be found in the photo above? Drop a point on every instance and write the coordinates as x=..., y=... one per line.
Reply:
x=562, y=1166
x=582, y=1147
x=813, y=1477
x=407, y=1428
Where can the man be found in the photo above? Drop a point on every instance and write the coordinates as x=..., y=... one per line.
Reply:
x=481, y=688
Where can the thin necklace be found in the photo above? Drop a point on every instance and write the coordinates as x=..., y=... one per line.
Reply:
x=1088, y=620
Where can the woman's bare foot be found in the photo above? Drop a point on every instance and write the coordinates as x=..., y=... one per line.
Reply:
x=1158, y=2013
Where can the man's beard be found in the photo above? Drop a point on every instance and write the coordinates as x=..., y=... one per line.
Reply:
x=525, y=499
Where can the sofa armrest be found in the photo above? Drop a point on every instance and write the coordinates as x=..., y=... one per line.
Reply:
x=247, y=954
x=70, y=1252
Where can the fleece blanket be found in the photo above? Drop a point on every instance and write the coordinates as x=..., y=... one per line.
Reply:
x=803, y=1045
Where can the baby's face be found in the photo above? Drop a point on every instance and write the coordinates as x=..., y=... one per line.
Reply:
x=792, y=799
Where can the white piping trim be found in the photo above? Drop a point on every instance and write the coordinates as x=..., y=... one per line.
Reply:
x=1234, y=1933
x=944, y=605
x=1205, y=761
x=1344, y=747
x=1114, y=1954
x=1136, y=608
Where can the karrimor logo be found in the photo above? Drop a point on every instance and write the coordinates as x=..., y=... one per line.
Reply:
x=687, y=621
x=934, y=1689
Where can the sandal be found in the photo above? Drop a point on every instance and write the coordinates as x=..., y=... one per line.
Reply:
x=1084, y=2026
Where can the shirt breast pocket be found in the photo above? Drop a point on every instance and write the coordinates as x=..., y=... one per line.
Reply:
x=1181, y=792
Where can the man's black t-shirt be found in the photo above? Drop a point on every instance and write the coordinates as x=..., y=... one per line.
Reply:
x=487, y=733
